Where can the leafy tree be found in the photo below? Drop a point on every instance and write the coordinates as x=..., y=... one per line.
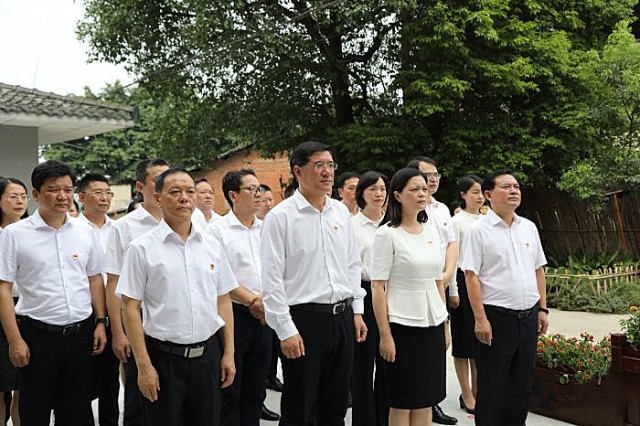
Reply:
x=611, y=104
x=116, y=153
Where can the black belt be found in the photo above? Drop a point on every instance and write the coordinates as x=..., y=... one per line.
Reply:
x=325, y=308
x=194, y=350
x=65, y=330
x=512, y=312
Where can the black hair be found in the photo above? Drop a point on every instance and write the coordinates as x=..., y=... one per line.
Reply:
x=393, y=215
x=368, y=179
x=200, y=180
x=290, y=189
x=89, y=178
x=415, y=163
x=163, y=176
x=344, y=177
x=4, y=183
x=142, y=169
x=50, y=169
x=133, y=205
x=489, y=181
x=300, y=156
x=232, y=180
x=265, y=187
x=465, y=184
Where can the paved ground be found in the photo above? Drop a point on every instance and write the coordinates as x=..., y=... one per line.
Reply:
x=569, y=323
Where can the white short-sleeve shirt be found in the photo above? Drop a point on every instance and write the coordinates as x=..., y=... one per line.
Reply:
x=178, y=283
x=365, y=229
x=440, y=217
x=199, y=220
x=505, y=259
x=411, y=264
x=123, y=231
x=51, y=267
x=460, y=223
x=308, y=256
x=242, y=247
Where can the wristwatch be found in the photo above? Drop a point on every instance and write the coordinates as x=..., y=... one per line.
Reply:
x=545, y=310
x=104, y=320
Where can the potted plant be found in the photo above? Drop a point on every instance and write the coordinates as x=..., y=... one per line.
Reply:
x=625, y=360
x=572, y=381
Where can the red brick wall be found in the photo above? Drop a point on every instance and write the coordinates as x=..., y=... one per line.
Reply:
x=268, y=170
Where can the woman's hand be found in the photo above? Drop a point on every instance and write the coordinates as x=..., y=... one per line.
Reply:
x=388, y=349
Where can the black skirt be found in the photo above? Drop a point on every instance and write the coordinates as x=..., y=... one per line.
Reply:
x=462, y=323
x=417, y=377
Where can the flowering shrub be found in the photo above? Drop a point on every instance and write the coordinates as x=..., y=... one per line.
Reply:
x=580, y=359
x=631, y=327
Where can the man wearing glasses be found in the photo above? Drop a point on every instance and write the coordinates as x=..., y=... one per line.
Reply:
x=95, y=196
x=239, y=235
x=440, y=217
x=312, y=295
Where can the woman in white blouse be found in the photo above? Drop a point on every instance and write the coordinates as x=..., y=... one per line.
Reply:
x=408, y=301
x=13, y=207
x=371, y=195
x=462, y=322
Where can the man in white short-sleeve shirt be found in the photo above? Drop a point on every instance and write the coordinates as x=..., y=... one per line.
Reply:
x=181, y=278
x=124, y=230
x=239, y=234
x=312, y=296
x=95, y=195
x=504, y=270
x=61, y=315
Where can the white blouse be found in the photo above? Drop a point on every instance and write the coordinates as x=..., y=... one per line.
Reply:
x=460, y=223
x=365, y=232
x=411, y=264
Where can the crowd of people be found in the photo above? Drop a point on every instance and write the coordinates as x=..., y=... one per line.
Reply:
x=359, y=298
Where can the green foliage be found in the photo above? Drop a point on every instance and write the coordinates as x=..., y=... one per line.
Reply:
x=581, y=359
x=116, y=153
x=476, y=85
x=610, y=103
x=577, y=295
x=631, y=326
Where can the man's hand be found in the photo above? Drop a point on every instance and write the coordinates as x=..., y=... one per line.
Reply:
x=360, y=328
x=99, y=339
x=454, y=302
x=543, y=322
x=293, y=347
x=483, y=331
x=148, y=382
x=256, y=308
x=388, y=349
x=121, y=347
x=227, y=370
x=19, y=353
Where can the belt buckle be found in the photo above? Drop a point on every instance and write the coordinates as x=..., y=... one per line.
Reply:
x=523, y=314
x=338, y=308
x=194, y=352
x=70, y=329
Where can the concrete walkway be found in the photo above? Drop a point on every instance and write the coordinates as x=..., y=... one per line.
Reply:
x=568, y=323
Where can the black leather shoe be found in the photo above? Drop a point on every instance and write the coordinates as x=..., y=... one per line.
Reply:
x=269, y=415
x=440, y=417
x=464, y=406
x=274, y=384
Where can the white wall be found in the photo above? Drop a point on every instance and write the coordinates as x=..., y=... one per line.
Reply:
x=19, y=154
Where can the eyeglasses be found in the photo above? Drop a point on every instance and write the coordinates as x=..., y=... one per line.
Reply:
x=253, y=190
x=320, y=166
x=99, y=193
x=15, y=197
x=434, y=176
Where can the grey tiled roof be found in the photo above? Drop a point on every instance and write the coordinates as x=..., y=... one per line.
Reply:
x=17, y=100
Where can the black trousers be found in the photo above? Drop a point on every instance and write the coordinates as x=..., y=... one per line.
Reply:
x=58, y=376
x=242, y=401
x=505, y=369
x=275, y=352
x=189, y=389
x=369, y=399
x=316, y=386
x=106, y=386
